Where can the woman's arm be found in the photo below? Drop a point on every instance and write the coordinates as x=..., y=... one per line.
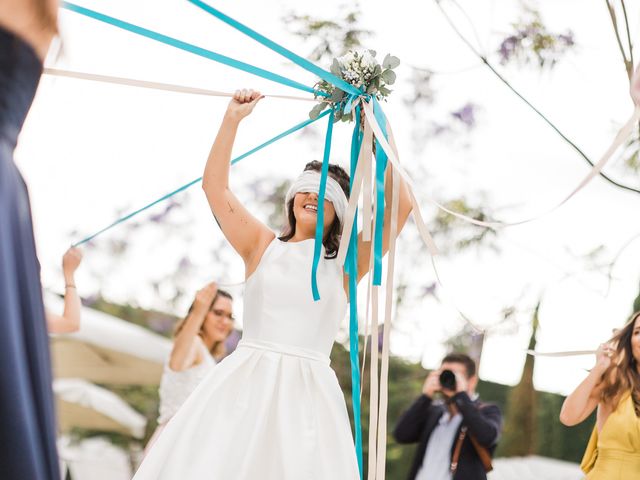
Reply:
x=404, y=209
x=248, y=236
x=34, y=21
x=183, y=354
x=70, y=319
x=585, y=398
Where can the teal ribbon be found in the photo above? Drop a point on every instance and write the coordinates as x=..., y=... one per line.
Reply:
x=293, y=129
x=270, y=44
x=187, y=47
x=381, y=166
x=317, y=250
x=351, y=268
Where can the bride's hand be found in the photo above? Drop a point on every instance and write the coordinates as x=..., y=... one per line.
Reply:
x=243, y=103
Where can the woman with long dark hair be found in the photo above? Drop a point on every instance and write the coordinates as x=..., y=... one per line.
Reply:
x=613, y=387
x=273, y=409
x=27, y=421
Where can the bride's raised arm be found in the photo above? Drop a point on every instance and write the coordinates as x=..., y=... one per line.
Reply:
x=248, y=236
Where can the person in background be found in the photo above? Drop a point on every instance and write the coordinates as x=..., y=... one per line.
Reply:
x=69, y=321
x=27, y=419
x=613, y=387
x=199, y=343
x=457, y=434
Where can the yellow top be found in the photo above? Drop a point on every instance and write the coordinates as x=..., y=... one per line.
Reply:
x=614, y=454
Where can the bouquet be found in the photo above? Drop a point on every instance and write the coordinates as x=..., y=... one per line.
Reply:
x=362, y=70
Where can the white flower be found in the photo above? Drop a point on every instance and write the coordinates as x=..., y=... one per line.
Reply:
x=347, y=59
x=367, y=60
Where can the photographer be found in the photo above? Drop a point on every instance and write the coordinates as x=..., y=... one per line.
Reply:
x=456, y=435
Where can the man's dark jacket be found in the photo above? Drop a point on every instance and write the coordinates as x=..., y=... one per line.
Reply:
x=483, y=421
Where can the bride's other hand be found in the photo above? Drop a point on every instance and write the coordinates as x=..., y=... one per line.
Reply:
x=243, y=103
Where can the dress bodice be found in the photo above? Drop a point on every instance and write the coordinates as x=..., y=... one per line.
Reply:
x=20, y=70
x=176, y=386
x=621, y=431
x=614, y=452
x=278, y=302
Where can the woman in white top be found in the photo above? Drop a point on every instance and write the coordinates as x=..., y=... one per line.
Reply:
x=198, y=345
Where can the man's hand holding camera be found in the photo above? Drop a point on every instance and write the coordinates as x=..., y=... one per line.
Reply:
x=446, y=382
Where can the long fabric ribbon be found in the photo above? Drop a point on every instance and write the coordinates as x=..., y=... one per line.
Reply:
x=618, y=141
x=317, y=250
x=293, y=129
x=386, y=335
x=351, y=268
x=288, y=54
x=570, y=353
x=168, y=87
x=187, y=47
x=381, y=168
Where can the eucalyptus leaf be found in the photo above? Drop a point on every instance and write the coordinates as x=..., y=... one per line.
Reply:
x=390, y=61
x=335, y=68
x=384, y=91
x=372, y=88
x=389, y=77
x=336, y=96
x=373, y=52
x=317, y=110
x=377, y=70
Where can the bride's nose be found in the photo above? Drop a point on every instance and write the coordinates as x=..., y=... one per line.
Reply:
x=313, y=196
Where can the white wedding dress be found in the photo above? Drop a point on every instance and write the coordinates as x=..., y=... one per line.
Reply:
x=273, y=409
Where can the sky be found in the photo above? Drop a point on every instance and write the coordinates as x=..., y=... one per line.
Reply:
x=89, y=150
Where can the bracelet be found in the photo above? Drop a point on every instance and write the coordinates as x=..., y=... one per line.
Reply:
x=69, y=286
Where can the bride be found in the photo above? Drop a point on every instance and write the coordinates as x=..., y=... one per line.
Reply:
x=273, y=410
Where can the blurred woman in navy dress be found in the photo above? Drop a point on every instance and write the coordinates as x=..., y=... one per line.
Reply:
x=27, y=421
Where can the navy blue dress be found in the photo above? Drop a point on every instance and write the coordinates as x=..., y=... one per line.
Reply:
x=27, y=421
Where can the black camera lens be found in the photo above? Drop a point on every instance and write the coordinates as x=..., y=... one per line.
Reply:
x=448, y=380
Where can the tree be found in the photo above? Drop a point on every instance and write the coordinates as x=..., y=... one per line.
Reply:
x=520, y=431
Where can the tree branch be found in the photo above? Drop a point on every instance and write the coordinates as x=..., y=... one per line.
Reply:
x=627, y=64
x=626, y=24
x=538, y=112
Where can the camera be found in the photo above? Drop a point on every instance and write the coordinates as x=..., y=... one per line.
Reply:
x=448, y=380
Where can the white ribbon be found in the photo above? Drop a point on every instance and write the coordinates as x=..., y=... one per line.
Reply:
x=570, y=353
x=620, y=138
x=154, y=85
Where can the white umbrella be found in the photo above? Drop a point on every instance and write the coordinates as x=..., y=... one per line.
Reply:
x=82, y=404
x=534, y=468
x=108, y=349
x=94, y=459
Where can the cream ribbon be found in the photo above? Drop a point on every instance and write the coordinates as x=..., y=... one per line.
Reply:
x=570, y=353
x=379, y=383
x=155, y=85
x=620, y=138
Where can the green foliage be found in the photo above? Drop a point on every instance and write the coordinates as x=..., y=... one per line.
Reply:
x=457, y=234
x=332, y=37
x=520, y=430
x=636, y=303
x=360, y=69
x=532, y=42
x=160, y=322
